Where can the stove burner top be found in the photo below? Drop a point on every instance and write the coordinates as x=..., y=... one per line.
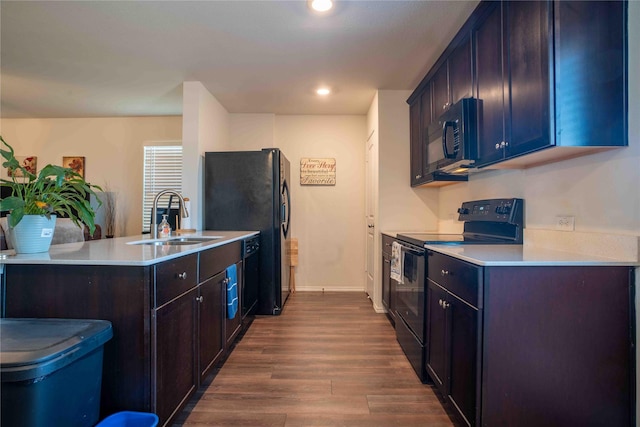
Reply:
x=421, y=239
x=486, y=222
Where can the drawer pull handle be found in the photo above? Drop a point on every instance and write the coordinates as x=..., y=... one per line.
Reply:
x=444, y=272
x=199, y=299
x=182, y=276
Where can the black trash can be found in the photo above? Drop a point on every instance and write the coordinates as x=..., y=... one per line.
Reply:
x=51, y=371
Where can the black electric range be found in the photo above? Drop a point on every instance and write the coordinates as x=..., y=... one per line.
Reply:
x=491, y=221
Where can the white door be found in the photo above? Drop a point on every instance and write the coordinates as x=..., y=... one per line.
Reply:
x=370, y=214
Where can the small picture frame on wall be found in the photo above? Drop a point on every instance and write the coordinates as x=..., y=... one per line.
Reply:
x=317, y=171
x=30, y=163
x=74, y=162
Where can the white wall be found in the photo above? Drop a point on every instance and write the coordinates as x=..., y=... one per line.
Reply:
x=112, y=147
x=252, y=131
x=401, y=207
x=205, y=128
x=327, y=220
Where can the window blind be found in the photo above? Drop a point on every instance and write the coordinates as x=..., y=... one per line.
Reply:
x=162, y=171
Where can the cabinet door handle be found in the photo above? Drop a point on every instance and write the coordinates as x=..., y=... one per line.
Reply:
x=226, y=281
x=199, y=299
x=444, y=272
x=442, y=303
x=418, y=176
x=182, y=276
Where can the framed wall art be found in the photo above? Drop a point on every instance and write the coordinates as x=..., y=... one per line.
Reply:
x=74, y=162
x=30, y=163
x=315, y=171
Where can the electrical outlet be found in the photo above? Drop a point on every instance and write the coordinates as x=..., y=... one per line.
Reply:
x=565, y=223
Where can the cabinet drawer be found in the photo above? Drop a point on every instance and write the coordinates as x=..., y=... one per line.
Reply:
x=458, y=277
x=213, y=261
x=175, y=277
x=387, y=241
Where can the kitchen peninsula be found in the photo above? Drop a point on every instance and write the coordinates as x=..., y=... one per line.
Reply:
x=166, y=299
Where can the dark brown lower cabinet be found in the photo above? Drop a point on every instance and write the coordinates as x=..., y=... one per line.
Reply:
x=437, y=337
x=549, y=346
x=559, y=347
x=452, y=352
x=211, y=315
x=175, y=328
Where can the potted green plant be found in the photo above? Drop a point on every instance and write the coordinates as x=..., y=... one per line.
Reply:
x=36, y=199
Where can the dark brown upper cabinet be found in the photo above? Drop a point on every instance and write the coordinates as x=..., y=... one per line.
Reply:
x=452, y=80
x=448, y=82
x=416, y=147
x=440, y=90
x=512, y=79
x=551, y=78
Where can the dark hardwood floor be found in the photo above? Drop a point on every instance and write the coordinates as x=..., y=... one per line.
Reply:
x=328, y=360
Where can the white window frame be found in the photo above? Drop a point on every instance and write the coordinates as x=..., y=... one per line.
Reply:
x=162, y=170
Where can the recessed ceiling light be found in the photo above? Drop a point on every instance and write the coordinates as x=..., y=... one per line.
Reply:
x=323, y=91
x=320, y=5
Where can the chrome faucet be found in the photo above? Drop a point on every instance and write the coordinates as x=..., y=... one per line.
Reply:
x=154, y=210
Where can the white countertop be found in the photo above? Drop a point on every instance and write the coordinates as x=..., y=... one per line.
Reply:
x=525, y=255
x=119, y=251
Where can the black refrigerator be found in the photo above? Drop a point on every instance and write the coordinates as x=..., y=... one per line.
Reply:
x=249, y=190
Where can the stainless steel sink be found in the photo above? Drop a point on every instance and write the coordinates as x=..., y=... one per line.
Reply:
x=177, y=241
x=196, y=239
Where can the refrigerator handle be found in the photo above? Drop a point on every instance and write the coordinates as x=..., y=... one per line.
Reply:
x=286, y=208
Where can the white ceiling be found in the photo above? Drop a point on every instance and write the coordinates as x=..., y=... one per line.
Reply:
x=129, y=58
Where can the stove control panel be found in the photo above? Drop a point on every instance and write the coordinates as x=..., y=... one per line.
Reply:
x=493, y=210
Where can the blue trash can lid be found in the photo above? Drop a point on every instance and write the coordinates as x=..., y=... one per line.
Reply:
x=32, y=348
x=130, y=419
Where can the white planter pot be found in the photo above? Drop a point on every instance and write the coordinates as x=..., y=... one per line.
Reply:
x=33, y=234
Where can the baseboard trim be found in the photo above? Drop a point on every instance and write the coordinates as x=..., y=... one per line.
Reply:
x=328, y=289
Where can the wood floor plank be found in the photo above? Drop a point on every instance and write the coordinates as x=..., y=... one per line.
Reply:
x=376, y=420
x=328, y=360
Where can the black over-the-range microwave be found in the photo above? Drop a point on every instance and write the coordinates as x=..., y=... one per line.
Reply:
x=452, y=147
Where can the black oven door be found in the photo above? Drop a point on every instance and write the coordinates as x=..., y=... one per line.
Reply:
x=410, y=294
